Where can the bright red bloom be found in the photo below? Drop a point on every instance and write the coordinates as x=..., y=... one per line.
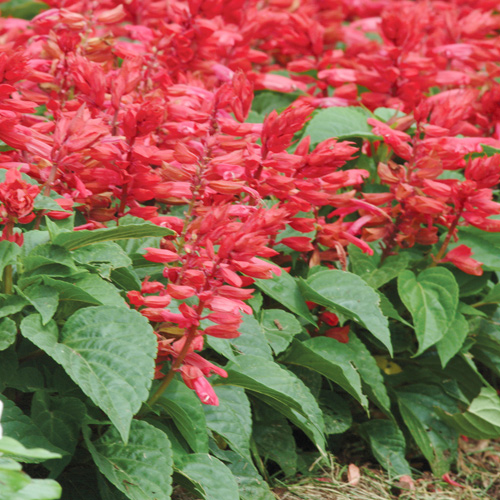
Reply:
x=461, y=257
x=17, y=196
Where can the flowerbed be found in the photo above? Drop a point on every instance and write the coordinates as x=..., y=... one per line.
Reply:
x=237, y=234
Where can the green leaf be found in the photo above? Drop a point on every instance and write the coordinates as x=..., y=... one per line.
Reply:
x=437, y=441
x=108, y=351
x=340, y=122
x=185, y=408
x=365, y=266
x=371, y=377
x=46, y=255
x=12, y=447
x=350, y=296
x=18, y=426
x=285, y=290
x=336, y=412
x=60, y=420
x=279, y=328
x=47, y=203
x=251, y=486
x=107, y=251
x=69, y=292
x=8, y=254
x=485, y=246
x=79, y=239
x=266, y=101
x=39, y=489
x=11, y=304
x=252, y=340
x=22, y=9
x=390, y=311
x=330, y=358
x=482, y=418
x=232, y=419
x=8, y=332
x=142, y=468
x=432, y=299
x=493, y=296
x=104, y=291
x=271, y=427
x=388, y=445
x=208, y=477
x=44, y=299
x=125, y=278
x=279, y=388
x=453, y=339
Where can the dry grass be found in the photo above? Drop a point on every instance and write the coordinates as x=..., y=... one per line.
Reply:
x=478, y=472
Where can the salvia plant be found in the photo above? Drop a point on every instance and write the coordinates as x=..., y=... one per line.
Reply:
x=239, y=234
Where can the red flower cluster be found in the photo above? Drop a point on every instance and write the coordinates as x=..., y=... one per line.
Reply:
x=139, y=107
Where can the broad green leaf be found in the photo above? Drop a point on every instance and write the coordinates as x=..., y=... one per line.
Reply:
x=18, y=426
x=11, y=304
x=12, y=447
x=438, y=442
x=8, y=254
x=185, y=408
x=390, y=311
x=340, y=122
x=142, y=468
x=107, y=490
x=336, y=412
x=60, y=420
x=107, y=251
x=266, y=101
x=285, y=290
x=22, y=9
x=48, y=255
x=100, y=289
x=274, y=439
x=349, y=295
x=376, y=275
x=47, y=203
x=252, y=340
x=70, y=292
x=109, y=353
x=279, y=328
x=330, y=358
x=232, y=419
x=481, y=420
x=279, y=388
x=432, y=299
x=388, y=445
x=371, y=377
x=485, y=246
x=8, y=332
x=125, y=278
x=251, y=486
x=44, y=299
x=208, y=477
x=39, y=489
x=493, y=296
x=453, y=339
x=79, y=239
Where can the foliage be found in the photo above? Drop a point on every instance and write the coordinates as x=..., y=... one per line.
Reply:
x=295, y=200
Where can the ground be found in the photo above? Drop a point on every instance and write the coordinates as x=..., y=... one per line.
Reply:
x=478, y=474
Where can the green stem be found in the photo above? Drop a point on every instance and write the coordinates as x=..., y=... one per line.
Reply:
x=446, y=242
x=7, y=279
